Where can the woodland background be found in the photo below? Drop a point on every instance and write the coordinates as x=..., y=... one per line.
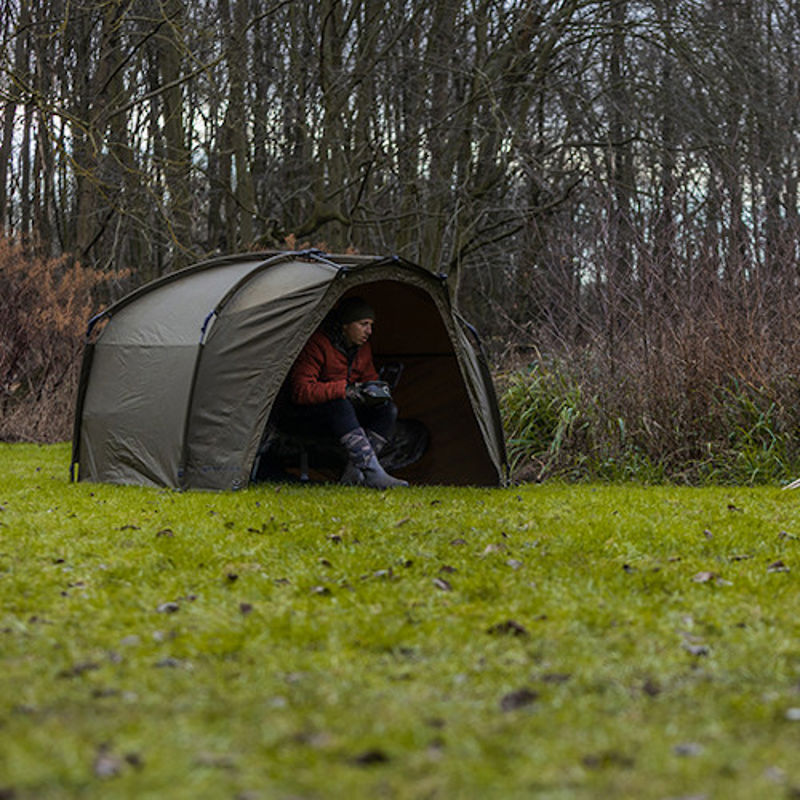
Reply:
x=611, y=187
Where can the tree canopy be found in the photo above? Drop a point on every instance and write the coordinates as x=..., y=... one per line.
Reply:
x=572, y=165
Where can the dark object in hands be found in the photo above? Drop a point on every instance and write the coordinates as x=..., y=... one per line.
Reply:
x=369, y=393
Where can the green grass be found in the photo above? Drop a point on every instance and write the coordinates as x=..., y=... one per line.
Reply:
x=329, y=642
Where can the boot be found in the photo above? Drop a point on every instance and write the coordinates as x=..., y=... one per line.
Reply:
x=352, y=475
x=363, y=459
x=377, y=441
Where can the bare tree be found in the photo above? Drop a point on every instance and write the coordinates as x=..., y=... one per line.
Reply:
x=588, y=167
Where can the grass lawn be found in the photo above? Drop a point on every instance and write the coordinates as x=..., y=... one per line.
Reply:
x=287, y=642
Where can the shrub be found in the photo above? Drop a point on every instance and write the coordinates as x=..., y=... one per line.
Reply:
x=46, y=304
x=544, y=411
x=567, y=419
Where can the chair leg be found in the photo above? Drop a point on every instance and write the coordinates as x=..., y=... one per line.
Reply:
x=303, y=464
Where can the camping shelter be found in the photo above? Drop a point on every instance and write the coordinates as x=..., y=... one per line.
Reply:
x=179, y=378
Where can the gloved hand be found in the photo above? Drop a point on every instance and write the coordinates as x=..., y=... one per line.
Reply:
x=353, y=392
x=369, y=393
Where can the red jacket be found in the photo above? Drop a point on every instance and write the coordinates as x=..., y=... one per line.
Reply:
x=322, y=370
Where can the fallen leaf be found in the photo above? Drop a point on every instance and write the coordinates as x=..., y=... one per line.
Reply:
x=555, y=677
x=651, y=688
x=169, y=662
x=704, y=577
x=610, y=758
x=101, y=693
x=696, y=649
x=494, y=548
x=165, y=532
x=370, y=758
x=78, y=669
x=106, y=764
x=775, y=775
x=215, y=761
x=436, y=748
x=441, y=583
x=688, y=749
x=313, y=738
x=168, y=608
x=777, y=566
x=383, y=573
x=518, y=699
x=508, y=627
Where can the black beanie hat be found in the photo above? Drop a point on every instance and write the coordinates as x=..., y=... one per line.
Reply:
x=352, y=309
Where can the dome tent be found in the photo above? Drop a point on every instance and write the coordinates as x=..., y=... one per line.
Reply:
x=179, y=377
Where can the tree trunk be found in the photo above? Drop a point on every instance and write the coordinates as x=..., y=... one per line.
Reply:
x=170, y=51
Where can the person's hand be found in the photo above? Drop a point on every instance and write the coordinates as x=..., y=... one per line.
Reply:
x=371, y=393
x=353, y=392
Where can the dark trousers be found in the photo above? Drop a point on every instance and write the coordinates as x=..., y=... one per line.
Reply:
x=338, y=417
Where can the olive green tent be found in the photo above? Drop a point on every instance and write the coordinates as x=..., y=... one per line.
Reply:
x=179, y=378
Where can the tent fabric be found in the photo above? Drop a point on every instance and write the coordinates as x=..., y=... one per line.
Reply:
x=180, y=377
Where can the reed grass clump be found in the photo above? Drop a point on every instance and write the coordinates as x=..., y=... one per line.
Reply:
x=568, y=421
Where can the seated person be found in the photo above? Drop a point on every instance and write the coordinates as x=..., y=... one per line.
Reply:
x=329, y=398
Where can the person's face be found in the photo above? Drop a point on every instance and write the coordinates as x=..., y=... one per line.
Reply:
x=356, y=333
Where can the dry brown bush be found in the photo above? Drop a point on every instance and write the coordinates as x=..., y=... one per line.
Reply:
x=46, y=304
x=689, y=383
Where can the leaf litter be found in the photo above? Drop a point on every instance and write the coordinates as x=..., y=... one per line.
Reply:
x=607, y=652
